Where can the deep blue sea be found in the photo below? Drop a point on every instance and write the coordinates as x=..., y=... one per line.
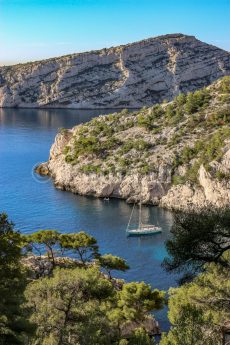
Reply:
x=33, y=203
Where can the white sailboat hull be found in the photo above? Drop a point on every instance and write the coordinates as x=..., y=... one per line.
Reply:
x=142, y=229
x=145, y=230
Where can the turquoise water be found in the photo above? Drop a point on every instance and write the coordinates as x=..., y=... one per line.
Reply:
x=33, y=203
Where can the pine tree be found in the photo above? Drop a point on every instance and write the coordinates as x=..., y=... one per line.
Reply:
x=14, y=327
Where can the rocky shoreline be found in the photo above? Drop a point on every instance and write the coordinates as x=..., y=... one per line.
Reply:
x=177, y=166
x=210, y=193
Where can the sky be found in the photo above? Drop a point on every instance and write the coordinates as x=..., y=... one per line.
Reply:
x=38, y=29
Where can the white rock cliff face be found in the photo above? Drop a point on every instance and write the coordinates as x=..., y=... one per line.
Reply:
x=210, y=192
x=133, y=75
x=155, y=188
x=149, y=188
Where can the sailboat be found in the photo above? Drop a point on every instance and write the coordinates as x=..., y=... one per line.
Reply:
x=142, y=229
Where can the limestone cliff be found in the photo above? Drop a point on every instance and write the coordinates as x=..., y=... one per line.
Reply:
x=132, y=75
x=176, y=154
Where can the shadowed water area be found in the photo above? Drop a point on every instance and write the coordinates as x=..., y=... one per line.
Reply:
x=33, y=203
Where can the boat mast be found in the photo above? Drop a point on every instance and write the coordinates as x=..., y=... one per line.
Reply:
x=130, y=218
x=140, y=215
x=140, y=222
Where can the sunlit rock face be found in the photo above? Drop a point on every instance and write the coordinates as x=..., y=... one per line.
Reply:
x=134, y=75
x=155, y=189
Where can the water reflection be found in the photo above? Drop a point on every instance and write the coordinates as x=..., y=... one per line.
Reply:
x=49, y=118
x=25, y=139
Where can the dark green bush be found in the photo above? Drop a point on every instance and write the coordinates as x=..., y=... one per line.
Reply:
x=177, y=179
x=225, y=85
x=197, y=100
x=148, y=120
x=138, y=144
x=220, y=117
x=90, y=168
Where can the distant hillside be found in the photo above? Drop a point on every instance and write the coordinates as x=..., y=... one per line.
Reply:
x=175, y=154
x=132, y=75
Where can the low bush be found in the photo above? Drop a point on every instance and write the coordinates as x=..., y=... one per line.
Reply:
x=197, y=100
x=148, y=120
x=90, y=168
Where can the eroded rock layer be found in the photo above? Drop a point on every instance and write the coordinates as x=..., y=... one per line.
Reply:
x=176, y=154
x=132, y=75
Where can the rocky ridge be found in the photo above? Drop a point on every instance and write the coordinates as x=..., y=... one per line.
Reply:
x=176, y=155
x=131, y=76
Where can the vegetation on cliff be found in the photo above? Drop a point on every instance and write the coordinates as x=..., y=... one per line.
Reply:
x=190, y=131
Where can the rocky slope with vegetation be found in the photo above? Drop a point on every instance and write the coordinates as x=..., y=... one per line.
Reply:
x=132, y=75
x=175, y=154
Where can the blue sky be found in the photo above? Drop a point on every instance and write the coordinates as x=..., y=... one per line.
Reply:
x=37, y=29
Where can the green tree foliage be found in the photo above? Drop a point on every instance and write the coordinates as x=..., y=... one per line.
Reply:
x=148, y=120
x=112, y=263
x=190, y=328
x=90, y=168
x=180, y=100
x=76, y=305
x=45, y=238
x=14, y=328
x=81, y=306
x=198, y=310
x=197, y=100
x=220, y=117
x=10, y=249
x=135, y=300
x=50, y=242
x=225, y=85
x=205, y=151
x=198, y=238
x=91, y=144
x=140, y=337
x=138, y=144
x=67, y=307
x=80, y=244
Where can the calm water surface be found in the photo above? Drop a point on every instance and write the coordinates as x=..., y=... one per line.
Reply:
x=33, y=204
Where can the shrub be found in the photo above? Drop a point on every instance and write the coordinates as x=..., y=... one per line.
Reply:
x=138, y=144
x=225, y=85
x=180, y=100
x=220, y=117
x=148, y=120
x=187, y=154
x=177, y=179
x=170, y=111
x=145, y=169
x=66, y=150
x=90, y=168
x=63, y=130
x=179, y=115
x=197, y=100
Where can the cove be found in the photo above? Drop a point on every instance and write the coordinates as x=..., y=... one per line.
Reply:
x=33, y=203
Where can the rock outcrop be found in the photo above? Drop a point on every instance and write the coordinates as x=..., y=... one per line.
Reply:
x=129, y=76
x=176, y=155
x=208, y=192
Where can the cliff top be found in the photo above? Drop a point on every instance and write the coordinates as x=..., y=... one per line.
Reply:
x=175, y=36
